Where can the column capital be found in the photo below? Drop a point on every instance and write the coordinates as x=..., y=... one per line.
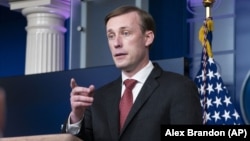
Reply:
x=63, y=5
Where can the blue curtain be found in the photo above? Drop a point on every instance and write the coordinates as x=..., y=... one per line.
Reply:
x=171, y=38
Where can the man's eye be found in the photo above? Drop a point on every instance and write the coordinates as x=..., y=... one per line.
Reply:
x=110, y=36
x=125, y=33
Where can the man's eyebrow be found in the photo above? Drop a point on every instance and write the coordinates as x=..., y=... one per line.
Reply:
x=121, y=28
x=124, y=27
x=109, y=30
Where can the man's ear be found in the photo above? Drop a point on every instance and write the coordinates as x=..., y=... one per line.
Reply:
x=149, y=37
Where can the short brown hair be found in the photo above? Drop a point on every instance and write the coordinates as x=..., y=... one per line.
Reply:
x=147, y=21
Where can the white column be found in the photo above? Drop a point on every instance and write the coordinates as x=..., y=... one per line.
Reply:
x=45, y=42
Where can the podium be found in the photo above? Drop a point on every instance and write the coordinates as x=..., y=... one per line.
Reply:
x=51, y=137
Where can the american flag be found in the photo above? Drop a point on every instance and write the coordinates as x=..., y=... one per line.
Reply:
x=217, y=104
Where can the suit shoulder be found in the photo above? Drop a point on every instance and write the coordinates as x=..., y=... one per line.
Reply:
x=175, y=75
x=176, y=78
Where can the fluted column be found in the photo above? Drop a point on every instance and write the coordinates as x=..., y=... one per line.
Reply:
x=45, y=42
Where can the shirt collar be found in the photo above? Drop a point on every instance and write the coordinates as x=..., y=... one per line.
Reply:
x=141, y=75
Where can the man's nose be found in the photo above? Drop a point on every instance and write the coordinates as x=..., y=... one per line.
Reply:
x=117, y=41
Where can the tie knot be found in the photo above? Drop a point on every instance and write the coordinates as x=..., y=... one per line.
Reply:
x=130, y=83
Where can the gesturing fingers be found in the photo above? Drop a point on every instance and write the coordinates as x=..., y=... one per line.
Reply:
x=79, y=100
x=78, y=90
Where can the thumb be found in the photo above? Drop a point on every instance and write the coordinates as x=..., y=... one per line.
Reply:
x=73, y=83
x=91, y=90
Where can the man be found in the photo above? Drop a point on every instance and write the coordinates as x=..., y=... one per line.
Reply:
x=159, y=97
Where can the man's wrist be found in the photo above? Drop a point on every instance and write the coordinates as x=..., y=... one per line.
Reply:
x=73, y=128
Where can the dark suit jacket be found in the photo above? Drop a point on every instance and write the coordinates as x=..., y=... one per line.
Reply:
x=166, y=98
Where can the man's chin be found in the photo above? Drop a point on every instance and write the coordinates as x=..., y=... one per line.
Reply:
x=120, y=66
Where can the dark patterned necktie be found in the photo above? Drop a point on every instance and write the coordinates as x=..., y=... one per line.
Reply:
x=126, y=100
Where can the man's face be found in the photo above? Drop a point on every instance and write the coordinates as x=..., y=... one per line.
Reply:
x=127, y=43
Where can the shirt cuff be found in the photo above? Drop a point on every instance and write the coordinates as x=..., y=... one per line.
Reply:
x=73, y=128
